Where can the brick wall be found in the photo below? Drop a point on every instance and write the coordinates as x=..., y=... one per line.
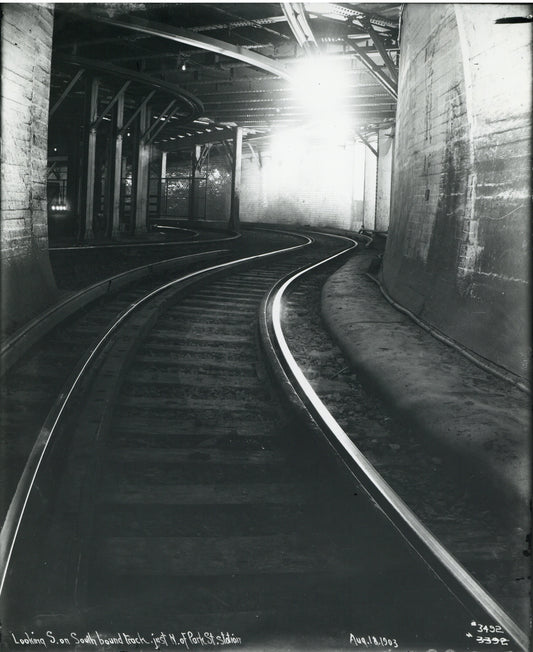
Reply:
x=305, y=183
x=457, y=253
x=27, y=282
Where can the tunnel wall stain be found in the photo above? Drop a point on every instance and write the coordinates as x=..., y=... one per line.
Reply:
x=458, y=248
x=26, y=278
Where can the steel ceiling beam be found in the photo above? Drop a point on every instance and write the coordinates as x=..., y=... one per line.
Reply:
x=136, y=112
x=258, y=110
x=297, y=19
x=162, y=125
x=378, y=41
x=271, y=115
x=240, y=23
x=281, y=102
x=345, y=12
x=65, y=93
x=250, y=22
x=215, y=136
x=367, y=143
x=192, y=39
x=158, y=120
x=111, y=104
x=191, y=104
x=388, y=84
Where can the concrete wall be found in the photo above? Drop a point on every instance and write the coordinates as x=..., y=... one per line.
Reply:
x=26, y=277
x=384, y=177
x=302, y=182
x=457, y=253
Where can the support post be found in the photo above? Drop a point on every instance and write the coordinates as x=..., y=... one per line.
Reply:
x=164, y=165
x=162, y=183
x=384, y=177
x=141, y=187
x=234, y=220
x=195, y=157
x=73, y=173
x=116, y=171
x=370, y=188
x=90, y=159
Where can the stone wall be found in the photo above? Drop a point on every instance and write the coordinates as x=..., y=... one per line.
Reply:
x=26, y=278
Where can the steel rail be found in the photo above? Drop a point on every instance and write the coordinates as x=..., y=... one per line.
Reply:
x=17, y=508
x=27, y=336
x=389, y=498
x=118, y=245
x=190, y=232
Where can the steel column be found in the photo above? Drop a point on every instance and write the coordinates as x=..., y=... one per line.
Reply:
x=90, y=160
x=162, y=182
x=73, y=174
x=195, y=157
x=117, y=167
x=141, y=187
x=164, y=165
x=234, y=221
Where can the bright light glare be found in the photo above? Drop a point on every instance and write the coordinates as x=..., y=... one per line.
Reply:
x=287, y=145
x=304, y=173
x=319, y=85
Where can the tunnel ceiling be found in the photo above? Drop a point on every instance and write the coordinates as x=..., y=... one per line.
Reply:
x=209, y=66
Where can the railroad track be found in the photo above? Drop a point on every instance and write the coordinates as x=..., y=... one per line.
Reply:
x=178, y=495
x=37, y=362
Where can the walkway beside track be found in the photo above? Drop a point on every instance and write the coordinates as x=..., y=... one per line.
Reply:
x=482, y=420
x=470, y=427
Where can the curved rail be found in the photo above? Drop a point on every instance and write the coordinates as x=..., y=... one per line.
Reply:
x=13, y=521
x=20, y=342
x=169, y=243
x=189, y=232
x=378, y=489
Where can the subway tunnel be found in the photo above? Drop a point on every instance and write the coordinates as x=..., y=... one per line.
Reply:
x=265, y=326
